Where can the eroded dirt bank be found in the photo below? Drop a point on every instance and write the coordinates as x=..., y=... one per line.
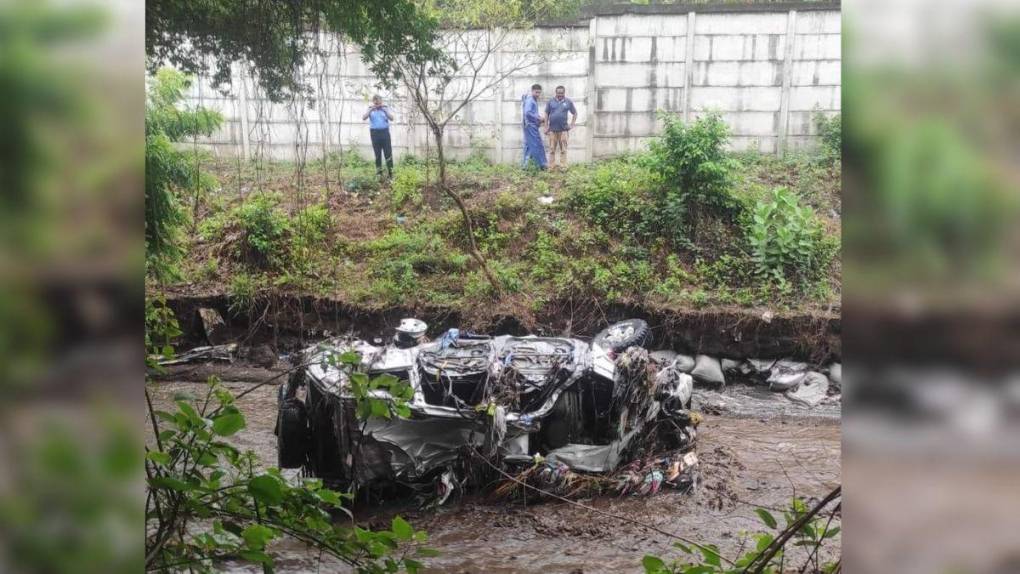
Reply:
x=290, y=321
x=747, y=461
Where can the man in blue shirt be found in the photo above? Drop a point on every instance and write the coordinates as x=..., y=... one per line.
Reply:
x=379, y=118
x=534, y=151
x=557, y=129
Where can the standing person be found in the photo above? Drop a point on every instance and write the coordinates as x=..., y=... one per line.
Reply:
x=379, y=117
x=557, y=129
x=534, y=150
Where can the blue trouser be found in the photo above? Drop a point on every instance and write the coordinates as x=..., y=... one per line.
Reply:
x=534, y=149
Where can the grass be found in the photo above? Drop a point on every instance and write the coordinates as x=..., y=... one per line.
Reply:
x=330, y=229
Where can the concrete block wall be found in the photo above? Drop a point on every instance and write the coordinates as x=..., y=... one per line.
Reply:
x=768, y=69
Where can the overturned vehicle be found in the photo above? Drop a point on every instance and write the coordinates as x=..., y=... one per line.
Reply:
x=552, y=410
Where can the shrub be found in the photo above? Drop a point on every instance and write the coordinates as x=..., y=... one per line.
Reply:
x=311, y=225
x=168, y=170
x=407, y=184
x=786, y=239
x=264, y=228
x=830, y=129
x=616, y=195
x=697, y=174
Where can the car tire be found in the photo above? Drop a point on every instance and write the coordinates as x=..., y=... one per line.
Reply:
x=624, y=335
x=292, y=434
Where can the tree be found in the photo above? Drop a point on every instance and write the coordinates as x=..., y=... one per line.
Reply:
x=167, y=169
x=474, y=31
x=275, y=37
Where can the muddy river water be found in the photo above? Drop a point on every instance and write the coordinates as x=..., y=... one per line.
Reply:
x=756, y=449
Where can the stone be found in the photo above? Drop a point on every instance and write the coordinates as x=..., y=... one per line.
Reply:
x=213, y=325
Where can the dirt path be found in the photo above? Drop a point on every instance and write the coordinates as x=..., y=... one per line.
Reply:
x=746, y=462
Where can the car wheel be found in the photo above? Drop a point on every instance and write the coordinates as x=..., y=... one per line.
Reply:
x=624, y=334
x=292, y=434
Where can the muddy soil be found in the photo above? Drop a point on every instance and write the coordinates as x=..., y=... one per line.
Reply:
x=747, y=462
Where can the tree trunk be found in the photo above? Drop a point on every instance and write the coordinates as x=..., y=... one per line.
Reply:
x=437, y=132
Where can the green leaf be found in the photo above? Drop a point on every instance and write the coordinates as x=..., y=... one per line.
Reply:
x=766, y=517
x=159, y=457
x=256, y=536
x=380, y=409
x=189, y=411
x=350, y=358
x=653, y=564
x=266, y=490
x=401, y=529
x=256, y=556
x=228, y=424
x=711, y=555
x=329, y=497
x=831, y=532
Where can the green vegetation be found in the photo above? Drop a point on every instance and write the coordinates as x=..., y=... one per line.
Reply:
x=273, y=36
x=697, y=176
x=765, y=233
x=194, y=474
x=168, y=170
x=786, y=240
x=208, y=501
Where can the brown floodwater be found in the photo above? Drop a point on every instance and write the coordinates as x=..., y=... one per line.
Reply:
x=755, y=451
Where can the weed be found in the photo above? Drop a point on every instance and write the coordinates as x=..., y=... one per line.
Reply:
x=209, y=269
x=786, y=239
x=264, y=227
x=244, y=292
x=406, y=186
x=616, y=195
x=831, y=131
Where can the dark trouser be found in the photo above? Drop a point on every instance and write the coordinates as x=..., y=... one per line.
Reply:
x=381, y=145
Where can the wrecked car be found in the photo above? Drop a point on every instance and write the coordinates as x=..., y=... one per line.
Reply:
x=514, y=402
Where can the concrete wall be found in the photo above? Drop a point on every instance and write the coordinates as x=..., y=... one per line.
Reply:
x=767, y=68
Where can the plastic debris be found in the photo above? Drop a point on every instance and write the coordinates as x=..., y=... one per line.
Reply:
x=449, y=338
x=208, y=353
x=786, y=375
x=812, y=390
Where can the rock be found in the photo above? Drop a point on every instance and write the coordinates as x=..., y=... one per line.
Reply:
x=262, y=356
x=812, y=390
x=214, y=326
x=730, y=366
x=786, y=375
x=708, y=370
